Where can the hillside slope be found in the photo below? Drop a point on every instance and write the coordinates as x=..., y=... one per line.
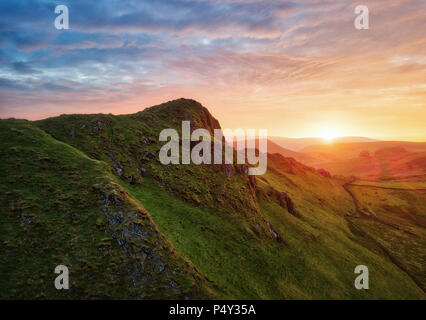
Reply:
x=60, y=207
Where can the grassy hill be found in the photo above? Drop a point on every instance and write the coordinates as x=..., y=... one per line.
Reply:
x=89, y=192
x=59, y=206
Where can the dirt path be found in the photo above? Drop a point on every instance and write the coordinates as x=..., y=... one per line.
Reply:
x=379, y=187
x=391, y=257
x=355, y=200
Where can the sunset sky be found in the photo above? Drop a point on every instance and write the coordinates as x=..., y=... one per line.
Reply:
x=297, y=68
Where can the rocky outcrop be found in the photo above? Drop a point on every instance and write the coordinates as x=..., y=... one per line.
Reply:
x=282, y=198
x=286, y=202
x=147, y=263
x=324, y=173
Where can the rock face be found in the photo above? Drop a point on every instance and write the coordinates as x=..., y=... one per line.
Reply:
x=144, y=263
x=286, y=202
x=282, y=198
x=275, y=234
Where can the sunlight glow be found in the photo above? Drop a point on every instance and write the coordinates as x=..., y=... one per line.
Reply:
x=329, y=134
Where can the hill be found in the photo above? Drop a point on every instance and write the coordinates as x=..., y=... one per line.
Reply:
x=272, y=148
x=351, y=150
x=298, y=144
x=89, y=192
x=396, y=159
x=59, y=206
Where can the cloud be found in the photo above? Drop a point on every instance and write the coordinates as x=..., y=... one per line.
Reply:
x=121, y=55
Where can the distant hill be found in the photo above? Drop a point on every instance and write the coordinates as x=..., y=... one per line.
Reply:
x=297, y=144
x=343, y=156
x=370, y=160
x=348, y=150
x=273, y=147
x=380, y=165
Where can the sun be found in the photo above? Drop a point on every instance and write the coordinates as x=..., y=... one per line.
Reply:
x=329, y=134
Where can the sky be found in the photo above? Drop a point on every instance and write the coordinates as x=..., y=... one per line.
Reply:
x=297, y=68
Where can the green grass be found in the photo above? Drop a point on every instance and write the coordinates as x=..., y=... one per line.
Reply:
x=318, y=263
x=399, y=224
x=220, y=243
